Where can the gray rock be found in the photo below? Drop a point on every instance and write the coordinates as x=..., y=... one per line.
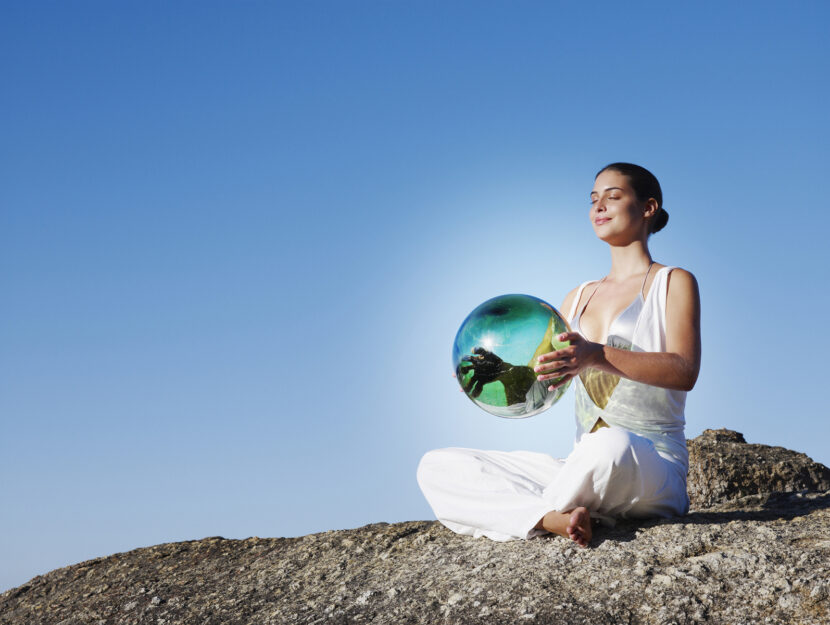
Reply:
x=724, y=468
x=759, y=558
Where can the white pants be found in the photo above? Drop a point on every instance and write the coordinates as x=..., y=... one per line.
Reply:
x=503, y=495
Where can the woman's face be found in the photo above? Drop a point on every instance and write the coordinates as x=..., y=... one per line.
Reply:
x=617, y=215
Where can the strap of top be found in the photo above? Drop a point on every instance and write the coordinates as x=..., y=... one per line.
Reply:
x=591, y=295
x=576, y=299
x=582, y=286
x=643, y=285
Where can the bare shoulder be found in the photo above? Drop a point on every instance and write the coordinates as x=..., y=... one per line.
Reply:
x=682, y=290
x=680, y=279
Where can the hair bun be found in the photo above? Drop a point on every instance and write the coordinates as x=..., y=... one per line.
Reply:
x=661, y=218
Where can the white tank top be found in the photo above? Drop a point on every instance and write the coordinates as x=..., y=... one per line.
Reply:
x=651, y=411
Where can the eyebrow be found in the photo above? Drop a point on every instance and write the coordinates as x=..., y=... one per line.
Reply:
x=608, y=189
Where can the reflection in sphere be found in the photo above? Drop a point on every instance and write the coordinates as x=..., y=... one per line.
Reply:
x=496, y=349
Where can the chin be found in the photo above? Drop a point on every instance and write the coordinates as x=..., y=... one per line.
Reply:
x=615, y=238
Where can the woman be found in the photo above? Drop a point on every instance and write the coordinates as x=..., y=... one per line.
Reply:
x=634, y=352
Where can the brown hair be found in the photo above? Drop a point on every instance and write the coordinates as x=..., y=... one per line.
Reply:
x=645, y=186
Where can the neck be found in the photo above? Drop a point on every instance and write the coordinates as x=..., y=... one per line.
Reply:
x=629, y=261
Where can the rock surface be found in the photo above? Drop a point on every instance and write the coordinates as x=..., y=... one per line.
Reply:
x=724, y=468
x=754, y=558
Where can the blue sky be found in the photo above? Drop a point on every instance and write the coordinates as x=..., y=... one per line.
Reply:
x=237, y=239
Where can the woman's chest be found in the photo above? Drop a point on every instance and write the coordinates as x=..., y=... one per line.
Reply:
x=605, y=305
x=616, y=318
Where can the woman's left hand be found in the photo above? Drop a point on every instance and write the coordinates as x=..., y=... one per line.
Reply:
x=568, y=362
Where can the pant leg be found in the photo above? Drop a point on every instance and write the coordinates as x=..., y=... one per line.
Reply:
x=496, y=494
x=616, y=474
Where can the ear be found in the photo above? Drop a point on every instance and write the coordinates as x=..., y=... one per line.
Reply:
x=650, y=209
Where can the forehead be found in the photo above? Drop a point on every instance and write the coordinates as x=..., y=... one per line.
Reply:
x=611, y=179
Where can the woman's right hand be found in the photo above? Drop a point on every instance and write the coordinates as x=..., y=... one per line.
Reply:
x=562, y=365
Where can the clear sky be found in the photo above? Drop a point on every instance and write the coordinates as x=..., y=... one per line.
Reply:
x=237, y=239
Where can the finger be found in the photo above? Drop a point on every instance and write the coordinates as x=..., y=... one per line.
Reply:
x=554, y=376
x=547, y=374
x=549, y=364
x=559, y=354
x=569, y=336
x=565, y=379
x=554, y=387
x=557, y=375
x=555, y=365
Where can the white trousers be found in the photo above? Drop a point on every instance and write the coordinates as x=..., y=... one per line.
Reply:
x=503, y=495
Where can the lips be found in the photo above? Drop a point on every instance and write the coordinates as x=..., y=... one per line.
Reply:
x=601, y=221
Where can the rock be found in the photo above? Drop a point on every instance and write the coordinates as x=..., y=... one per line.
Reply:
x=724, y=468
x=758, y=558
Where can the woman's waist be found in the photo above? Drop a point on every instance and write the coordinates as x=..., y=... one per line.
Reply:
x=649, y=407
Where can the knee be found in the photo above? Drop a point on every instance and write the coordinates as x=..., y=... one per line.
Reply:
x=429, y=460
x=610, y=446
x=436, y=463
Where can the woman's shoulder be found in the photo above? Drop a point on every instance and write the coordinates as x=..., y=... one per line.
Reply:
x=678, y=274
x=567, y=303
x=681, y=283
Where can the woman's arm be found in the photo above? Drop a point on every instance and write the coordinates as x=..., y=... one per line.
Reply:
x=676, y=368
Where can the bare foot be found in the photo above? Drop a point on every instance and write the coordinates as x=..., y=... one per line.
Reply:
x=579, y=526
x=575, y=525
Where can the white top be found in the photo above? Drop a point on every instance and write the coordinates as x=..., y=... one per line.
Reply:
x=651, y=411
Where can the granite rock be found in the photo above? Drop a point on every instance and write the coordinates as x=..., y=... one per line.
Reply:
x=723, y=468
x=759, y=557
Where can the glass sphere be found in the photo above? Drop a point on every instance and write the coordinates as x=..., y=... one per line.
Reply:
x=496, y=349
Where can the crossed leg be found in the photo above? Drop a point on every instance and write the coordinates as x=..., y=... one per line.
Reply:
x=610, y=474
